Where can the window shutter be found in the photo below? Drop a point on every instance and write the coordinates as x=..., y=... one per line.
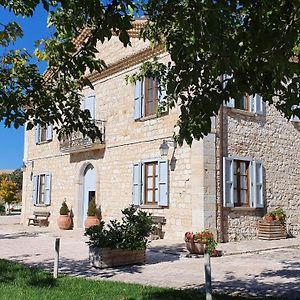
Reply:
x=138, y=95
x=49, y=132
x=294, y=117
x=228, y=200
x=161, y=97
x=47, y=188
x=137, y=184
x=89, y=104
x=258, y=104
x=230, y=103
x=35, y=189
x=37, y=133
x=163, y=182
x=256, y=186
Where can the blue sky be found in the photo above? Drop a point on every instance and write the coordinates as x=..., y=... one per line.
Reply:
x=11, y=150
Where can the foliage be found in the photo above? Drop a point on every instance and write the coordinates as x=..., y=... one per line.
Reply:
x=132, y=233
x=204, y=236
x=278, y=214
x=257, y=42
x=9, y=191
x=92, y=208
x=17, y=177
x=2, y=208
x=64, y=210
x=21, y=282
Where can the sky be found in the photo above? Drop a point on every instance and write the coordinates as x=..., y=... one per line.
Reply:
x=11, y=139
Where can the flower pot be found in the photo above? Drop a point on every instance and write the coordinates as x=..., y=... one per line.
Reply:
x=106, y=257
x=196, y=248
x=64, y=222
x=91, y=221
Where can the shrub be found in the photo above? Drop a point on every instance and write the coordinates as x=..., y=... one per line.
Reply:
x=131, y=233
x=92, y=209
x=64, y=210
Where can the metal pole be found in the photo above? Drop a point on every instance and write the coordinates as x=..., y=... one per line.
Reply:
x=56, y=257
x=207, y=271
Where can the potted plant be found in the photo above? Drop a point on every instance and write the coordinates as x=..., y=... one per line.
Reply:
x=93, y=214
x=64, y=221
x=200, y=242
x=120, y=242
x=277, y=214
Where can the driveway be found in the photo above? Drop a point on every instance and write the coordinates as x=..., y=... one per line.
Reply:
x=261, y=272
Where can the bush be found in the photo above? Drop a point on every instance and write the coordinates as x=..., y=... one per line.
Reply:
x=64, y=210
x=132, y=233
x=92, y=209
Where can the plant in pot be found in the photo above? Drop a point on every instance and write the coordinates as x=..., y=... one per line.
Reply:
x=64, y=221
x=93, y=214
x=201, y=242
x=120, y=242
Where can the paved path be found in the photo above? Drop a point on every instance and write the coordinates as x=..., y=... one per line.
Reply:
x=245, y=268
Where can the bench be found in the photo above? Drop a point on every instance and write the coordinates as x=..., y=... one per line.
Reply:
x=40, y=218
x=157, y=232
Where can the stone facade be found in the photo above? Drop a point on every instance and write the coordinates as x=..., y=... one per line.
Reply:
x=127, y=141
x=195, y=185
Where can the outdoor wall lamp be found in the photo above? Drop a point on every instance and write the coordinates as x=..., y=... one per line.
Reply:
x=165, y=145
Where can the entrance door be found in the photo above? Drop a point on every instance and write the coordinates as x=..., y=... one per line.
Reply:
x=89, y=190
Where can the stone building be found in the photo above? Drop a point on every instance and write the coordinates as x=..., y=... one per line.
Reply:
x=248, y=165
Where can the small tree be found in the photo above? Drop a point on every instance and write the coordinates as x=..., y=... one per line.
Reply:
x=92, y=209
x=64, y=210
x=8, y=191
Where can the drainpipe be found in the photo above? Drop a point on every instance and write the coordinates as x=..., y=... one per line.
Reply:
x=221, y=154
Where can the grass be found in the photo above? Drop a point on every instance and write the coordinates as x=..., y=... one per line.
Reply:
x=21, y=282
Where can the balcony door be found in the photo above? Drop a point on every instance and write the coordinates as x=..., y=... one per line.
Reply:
x=89, y=189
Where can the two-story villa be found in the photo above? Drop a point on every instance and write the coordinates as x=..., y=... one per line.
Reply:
x=247, y=165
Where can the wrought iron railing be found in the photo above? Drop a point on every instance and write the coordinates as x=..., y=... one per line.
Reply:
x=77, y=142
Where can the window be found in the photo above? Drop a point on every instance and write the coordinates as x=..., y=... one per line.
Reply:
x=243, y=183
x=147, y=97
x=88, y=103
x=43, y=134
x=252, y=103
x=150, y=183
x=41, y=189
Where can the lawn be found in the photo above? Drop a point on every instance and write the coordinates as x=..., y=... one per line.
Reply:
x=21, y=282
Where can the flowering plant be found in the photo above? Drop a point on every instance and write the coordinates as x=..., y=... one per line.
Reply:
x=205, y=237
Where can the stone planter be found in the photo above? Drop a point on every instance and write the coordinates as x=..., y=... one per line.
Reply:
x=65, y=222
x=271, y=230
x=195, y=248
x=91, y=221
x=106, y=257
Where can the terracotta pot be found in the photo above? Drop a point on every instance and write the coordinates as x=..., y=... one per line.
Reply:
x=65, y=222
x=91, y=221
x=268, y=218
x=196, y=248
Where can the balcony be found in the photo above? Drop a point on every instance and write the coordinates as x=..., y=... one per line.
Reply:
x=78, y=143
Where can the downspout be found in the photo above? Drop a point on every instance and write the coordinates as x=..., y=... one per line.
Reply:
x=221, y=154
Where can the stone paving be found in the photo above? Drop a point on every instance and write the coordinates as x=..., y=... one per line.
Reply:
x=248, y=268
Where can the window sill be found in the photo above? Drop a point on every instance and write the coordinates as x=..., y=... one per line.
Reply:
x=44, y=142
x=41, y=205
x=151, y=207
x=244, y=112
x=245, y=208
x=151, y=117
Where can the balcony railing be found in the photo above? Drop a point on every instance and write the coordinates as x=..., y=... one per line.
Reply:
x=78, y=143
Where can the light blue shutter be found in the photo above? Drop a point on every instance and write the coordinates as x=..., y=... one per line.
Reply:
x=49, y=132
x=138, y=101
x=256, y=184
x=89, y=104
x=35, y=189
x=294, y=117
x=258, y=104
x=228, y=200
x=37, y=133
x=230, y=103
x=47, y=188
x=163, y=182
x=137, y=184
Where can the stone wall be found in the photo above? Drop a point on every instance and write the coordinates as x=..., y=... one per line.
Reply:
x=276, y=142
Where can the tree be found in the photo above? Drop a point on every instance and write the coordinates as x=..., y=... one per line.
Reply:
x=9, y=191
x=255, y=42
